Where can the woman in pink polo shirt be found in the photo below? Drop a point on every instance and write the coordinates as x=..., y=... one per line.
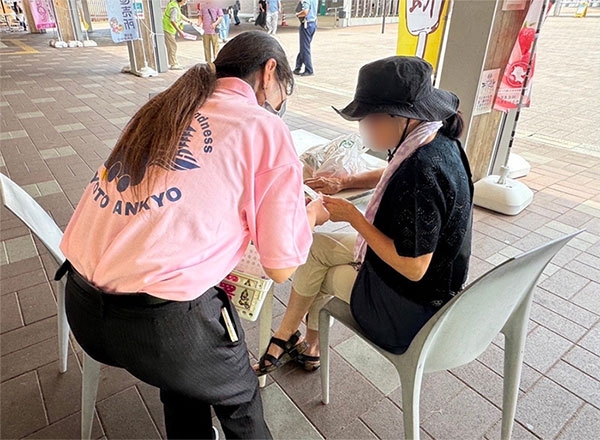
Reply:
x=199, y=171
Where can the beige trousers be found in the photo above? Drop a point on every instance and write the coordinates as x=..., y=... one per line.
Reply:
x=328, y=272
x=211, y=47
x=171, y=45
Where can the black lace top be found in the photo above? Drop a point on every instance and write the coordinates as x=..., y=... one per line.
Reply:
x=427, y=208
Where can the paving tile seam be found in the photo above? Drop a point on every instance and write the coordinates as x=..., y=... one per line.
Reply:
x=563, y=316
x=44, y=407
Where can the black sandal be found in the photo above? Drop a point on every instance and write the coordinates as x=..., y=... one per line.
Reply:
x=291, y=350
x=309, y=363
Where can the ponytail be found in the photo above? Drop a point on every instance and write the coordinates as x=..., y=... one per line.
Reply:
x=248, y=53
x=152, y=136
x=454, y=126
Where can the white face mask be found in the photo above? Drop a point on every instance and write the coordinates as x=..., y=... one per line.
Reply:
x=267, y=106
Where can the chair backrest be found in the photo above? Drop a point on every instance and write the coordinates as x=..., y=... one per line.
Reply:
x=33, y=215
x=465, y=327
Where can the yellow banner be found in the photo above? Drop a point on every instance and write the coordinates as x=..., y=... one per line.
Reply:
x=421, y=28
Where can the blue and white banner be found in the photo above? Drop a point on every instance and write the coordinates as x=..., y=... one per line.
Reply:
x=121, y=18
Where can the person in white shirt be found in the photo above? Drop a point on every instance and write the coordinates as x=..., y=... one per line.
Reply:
x=273, y=11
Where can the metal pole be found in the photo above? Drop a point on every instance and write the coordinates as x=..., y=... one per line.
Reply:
x=75, y=20
x=383, y=21
x=157, y=34
x=87, y=16
x=557, y=7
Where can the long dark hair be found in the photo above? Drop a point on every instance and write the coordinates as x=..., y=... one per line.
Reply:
x=250, y=54
x=152, y=136
x=453, y=126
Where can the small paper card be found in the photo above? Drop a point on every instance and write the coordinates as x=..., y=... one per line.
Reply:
x=198, y=29
x=189, y=36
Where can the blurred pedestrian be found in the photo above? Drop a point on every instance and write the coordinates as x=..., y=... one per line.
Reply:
x=308, y=26
x=173, y=25
x=261, y=18
x=210, y=19
x=20, y=15
x=273, y=11
x=237, y=7
x=225, y=25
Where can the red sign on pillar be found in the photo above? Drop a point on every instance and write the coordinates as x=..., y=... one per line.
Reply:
x=521, y=57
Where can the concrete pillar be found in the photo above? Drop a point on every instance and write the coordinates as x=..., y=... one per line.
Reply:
x=67, y=19
x=152, y=44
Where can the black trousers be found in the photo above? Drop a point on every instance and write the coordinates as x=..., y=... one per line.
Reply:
x=182, y=348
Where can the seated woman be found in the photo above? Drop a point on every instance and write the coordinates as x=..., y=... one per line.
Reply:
x=411, y=253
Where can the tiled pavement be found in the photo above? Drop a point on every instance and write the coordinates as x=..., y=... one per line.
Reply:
x=62, y=112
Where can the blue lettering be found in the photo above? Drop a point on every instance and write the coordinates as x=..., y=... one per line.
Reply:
x=173, y=194
x=105, y=201
x=144, y=204
x=200, y=119
x=131, y=209
x=158, y=199
x=99, y=193
x=96, y=178
x=118, y=207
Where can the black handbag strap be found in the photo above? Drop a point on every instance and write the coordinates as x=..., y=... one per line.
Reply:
x=62, y=270
x=211, y=16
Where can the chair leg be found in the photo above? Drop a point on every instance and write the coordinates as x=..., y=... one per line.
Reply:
x=63, y=329
x=266, y=319
x=410, y=381
x=515, y=334
x=324, y=321
x=89, y=390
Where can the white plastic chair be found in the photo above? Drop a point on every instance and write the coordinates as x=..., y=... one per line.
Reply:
x=498, y=302
x=43, y=227
x=47, y=231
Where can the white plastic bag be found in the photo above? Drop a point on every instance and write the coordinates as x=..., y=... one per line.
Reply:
x=340, y=157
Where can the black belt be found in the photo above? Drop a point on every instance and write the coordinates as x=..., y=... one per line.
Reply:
x=133, y=299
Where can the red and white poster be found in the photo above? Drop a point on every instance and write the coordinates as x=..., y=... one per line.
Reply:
x=511, y=86
x=43, y=14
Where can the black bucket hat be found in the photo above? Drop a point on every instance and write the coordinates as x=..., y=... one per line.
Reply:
x=399, y=86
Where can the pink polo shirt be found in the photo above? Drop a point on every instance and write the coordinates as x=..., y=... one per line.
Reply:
x=236, y=178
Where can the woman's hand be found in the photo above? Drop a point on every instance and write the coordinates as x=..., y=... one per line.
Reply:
x=341, y=210
x=316, y=212
x=412, y=268
x=326, y=185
